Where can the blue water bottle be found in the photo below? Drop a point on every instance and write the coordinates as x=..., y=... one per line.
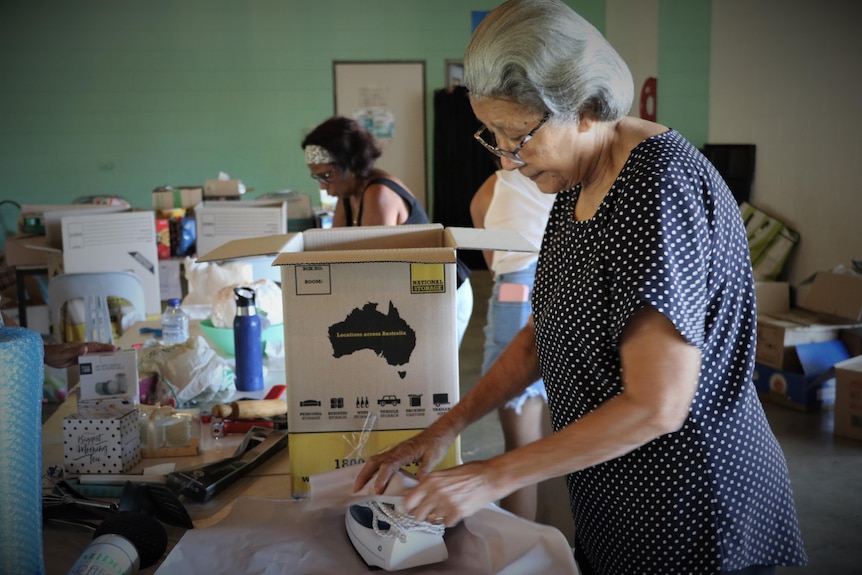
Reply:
x=247, y=344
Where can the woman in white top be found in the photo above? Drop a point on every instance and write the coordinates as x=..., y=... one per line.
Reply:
x=510, y=201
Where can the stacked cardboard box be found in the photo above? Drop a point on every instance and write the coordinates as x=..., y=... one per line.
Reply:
x=104, y=435
x=797, y=347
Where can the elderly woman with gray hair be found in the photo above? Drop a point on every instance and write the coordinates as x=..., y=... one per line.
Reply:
x=643, y=325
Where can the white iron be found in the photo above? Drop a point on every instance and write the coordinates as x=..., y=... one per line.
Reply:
x=386, y=538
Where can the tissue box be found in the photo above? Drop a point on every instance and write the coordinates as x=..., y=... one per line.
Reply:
x=109, y=375
x=101, y=442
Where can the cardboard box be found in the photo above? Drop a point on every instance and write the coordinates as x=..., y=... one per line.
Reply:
x=102, y=442
x=223, y=189
x=771, y=261
x=769, y=242
x=371, y=352
x=108, y=375
x=221, y=222
x=772, y=297
x=182, y=197
x=23, y=251
x=54, y=218
x=848, y=398
x=833, y=303
x=807, y=387
x=298, y=205
x=123, y=241
x=760, y=228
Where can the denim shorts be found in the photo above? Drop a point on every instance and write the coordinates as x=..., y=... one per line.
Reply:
x=505, y=320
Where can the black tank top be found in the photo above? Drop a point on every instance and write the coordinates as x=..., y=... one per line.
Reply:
x=417, y=212
x=417, y=216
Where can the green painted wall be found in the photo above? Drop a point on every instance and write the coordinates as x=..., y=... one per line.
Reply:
x=101, y=97
x=683, y=67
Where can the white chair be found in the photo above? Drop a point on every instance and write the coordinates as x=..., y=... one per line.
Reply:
x=94, y=288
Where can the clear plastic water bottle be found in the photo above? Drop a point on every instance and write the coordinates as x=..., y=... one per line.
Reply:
x=175, y=324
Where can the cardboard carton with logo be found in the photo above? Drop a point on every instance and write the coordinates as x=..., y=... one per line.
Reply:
x=371, y=353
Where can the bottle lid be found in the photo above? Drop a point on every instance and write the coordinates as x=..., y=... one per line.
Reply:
x=174, y=302
x=244, y=296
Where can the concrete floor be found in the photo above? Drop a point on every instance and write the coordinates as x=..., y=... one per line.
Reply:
x=826, y=471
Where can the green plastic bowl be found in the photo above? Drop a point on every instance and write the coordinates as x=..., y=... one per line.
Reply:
x=222, y=337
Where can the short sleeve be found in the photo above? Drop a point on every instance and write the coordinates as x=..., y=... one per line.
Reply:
x=661, y=243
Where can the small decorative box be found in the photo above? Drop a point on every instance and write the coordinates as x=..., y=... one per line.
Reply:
x=106, y=442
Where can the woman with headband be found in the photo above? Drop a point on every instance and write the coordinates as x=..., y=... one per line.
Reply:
x=340, y=154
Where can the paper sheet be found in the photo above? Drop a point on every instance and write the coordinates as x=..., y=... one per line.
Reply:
x=308, y=537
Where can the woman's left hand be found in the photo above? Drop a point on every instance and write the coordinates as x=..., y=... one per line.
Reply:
x=448, y=496
x=66, y=354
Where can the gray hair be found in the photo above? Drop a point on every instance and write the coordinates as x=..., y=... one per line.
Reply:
x=543, y=55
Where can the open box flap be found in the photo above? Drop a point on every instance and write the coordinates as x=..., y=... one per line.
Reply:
x=253, y=247
x=484, y=239
x=420, y=240
x=373, y=238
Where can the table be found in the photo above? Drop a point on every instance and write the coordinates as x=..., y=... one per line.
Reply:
x=63, y=544
x=268, y=526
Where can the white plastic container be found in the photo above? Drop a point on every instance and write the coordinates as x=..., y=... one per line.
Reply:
x=107, y=554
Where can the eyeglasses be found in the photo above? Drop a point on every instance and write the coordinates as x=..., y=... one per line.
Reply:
x=511, y=155
x=322, y=178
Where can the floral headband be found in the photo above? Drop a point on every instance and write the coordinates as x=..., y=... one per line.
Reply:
x=318, y=155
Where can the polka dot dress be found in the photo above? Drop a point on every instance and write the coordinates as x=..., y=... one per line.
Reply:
x=715, y=495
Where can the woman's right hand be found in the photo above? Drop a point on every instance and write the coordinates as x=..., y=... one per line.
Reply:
x=428, y=448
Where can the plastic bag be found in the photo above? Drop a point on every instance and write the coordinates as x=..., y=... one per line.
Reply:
x=207, y=279
x=190, y=371
x=267, y=301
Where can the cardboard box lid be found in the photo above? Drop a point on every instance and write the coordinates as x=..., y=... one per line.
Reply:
x=836, y=296
x=415, y=242
x=252, y=247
